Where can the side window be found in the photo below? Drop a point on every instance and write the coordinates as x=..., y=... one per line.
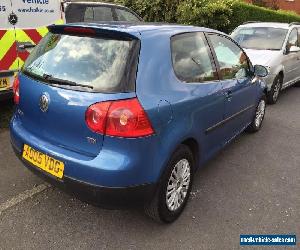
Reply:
x=232, y=60
x=99, y=14
x=293, y=39
x=89, y=14
x=75, y=13
x=103, y=14
x=126, y=16
x=191, y=58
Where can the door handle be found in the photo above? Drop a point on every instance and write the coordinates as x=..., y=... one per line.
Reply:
x=25, y=45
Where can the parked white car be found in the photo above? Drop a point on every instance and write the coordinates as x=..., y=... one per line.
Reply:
x=275, y=46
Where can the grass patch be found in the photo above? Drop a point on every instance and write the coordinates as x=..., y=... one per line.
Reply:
x=6, y=111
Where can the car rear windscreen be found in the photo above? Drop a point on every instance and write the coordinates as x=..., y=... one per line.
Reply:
x=85, y=63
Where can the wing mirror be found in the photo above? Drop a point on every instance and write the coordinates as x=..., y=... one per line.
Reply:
x=260, y=71
x=294, y=49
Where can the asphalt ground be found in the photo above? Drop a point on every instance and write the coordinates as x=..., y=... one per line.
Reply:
x=6, y=109
x=250, y=187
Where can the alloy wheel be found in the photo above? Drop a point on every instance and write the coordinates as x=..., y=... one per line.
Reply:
x=178, y=185
x=260, y=113
x=276, y=90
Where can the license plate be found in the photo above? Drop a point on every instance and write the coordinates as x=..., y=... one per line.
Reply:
x=4, y=83
x=44, y=162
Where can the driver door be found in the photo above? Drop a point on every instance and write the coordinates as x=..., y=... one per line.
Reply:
x=238, y=89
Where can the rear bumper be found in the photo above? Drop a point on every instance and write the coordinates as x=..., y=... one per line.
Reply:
x=120, y=163
x=6, y=95
x=107, y=197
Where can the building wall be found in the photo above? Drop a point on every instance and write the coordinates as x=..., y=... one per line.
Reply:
x=292, y=5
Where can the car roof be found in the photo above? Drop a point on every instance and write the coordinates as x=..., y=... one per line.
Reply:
x=95, y=3
x=144, y=28
x=268, y=24
x=102, y=4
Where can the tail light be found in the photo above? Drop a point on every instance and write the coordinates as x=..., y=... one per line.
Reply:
x=124, y=118
x=16, y=90
x=96, y=116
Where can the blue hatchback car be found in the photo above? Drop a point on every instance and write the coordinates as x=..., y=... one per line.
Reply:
x=121, y=114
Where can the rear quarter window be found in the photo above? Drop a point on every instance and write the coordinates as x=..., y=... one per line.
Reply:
x=191, y=57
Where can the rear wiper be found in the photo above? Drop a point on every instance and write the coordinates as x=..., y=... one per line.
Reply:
x=58, y=81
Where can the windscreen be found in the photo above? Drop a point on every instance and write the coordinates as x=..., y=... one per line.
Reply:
x=85, y=63
x=260, y=38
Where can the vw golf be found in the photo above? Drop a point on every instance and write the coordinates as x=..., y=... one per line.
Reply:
x=121, y=114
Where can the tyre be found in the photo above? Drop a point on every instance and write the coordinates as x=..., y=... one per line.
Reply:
x=273, y=94
x=174, y=188
x=258, y=117
x=297, y=84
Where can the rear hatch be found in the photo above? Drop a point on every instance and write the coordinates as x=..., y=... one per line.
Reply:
x=71, y=69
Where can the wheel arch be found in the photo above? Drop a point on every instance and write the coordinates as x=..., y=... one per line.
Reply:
x=281, y=74
x=194, y=146
x=279, y=70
